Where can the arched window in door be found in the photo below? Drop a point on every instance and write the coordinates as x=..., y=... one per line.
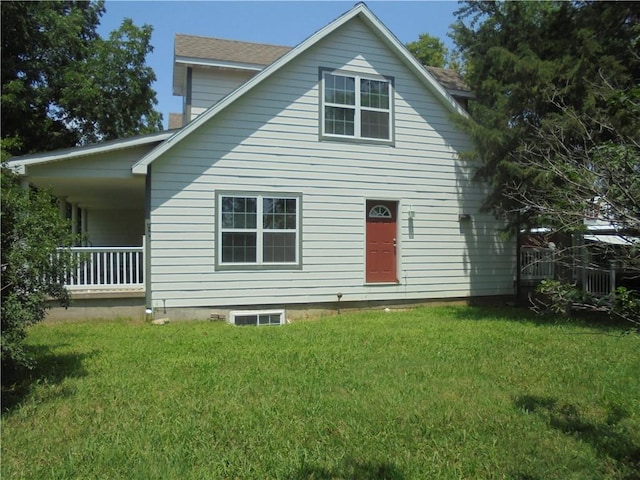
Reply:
x=380, y=211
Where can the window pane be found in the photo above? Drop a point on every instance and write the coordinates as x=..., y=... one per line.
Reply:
x=238, y=247
x=339, y=89
x=279, y=213
x=269, y=319
x=339, y=121
x=374, y=124
x=279, y=247
x=238, y=212
x=246, y=319
x=291, y=208
x=374, y=94
x=227, y=212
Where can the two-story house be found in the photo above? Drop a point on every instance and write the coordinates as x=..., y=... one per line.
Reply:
x=295, y=178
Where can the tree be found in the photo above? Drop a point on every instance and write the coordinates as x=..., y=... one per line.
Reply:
x=115, y=72
x=63, y=85
x=429, y=51
x=556, y=118
x=32, y=265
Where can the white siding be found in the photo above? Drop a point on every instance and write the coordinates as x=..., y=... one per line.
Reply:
x=115, y=228
x=209, y=85
x=268, y=141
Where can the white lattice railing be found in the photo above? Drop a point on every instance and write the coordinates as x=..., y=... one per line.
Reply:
x=107, y=267
x=536, y=263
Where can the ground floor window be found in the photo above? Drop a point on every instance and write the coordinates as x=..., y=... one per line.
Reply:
x=258, y=230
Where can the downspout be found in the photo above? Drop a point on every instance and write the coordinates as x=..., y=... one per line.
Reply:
x=147, y=239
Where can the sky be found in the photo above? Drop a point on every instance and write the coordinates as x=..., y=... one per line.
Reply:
x=280, y=23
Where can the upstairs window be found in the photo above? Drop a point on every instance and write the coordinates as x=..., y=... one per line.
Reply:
x=356, y=107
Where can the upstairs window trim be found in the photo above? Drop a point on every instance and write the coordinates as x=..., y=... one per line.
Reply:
x=348, y=99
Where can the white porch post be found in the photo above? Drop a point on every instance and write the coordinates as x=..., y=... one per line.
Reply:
x=62, y=206
x=83, y=225
x=74, y=218
x=612, y=278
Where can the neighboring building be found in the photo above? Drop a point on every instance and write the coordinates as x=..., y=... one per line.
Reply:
x=301, y=177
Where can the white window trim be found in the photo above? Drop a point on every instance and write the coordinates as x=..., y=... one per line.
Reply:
x=241, y=313
x=259, y=263
x=357, y=107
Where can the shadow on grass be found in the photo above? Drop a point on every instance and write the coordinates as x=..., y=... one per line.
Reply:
x=602, y=322
x=608, y=436
x=351, y=469
x=49, y=368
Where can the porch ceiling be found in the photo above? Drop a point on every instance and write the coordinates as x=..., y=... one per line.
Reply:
x=97, y=193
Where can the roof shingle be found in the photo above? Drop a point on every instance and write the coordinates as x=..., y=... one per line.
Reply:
x=227, y=50
x=449, y=79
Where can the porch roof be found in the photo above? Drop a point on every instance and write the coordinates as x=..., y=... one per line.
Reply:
x=20, y=163
x=93, y=176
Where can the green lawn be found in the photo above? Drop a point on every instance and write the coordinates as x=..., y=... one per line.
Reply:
x=451, y=392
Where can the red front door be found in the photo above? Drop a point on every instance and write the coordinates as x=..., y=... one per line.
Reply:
x=381, y=241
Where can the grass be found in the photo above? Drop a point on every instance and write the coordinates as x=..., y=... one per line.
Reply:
x=451, y=392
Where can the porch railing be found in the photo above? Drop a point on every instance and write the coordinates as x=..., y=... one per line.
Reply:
x=107, y=267
x=539, y=264
x=599, y=282
x=536, y=263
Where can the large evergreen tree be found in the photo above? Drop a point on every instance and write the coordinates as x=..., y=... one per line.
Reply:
x=556, y=118
x=557, y=93
x=64, y=85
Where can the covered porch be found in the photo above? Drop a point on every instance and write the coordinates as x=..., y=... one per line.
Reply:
x=107, y=211
x=107, y=206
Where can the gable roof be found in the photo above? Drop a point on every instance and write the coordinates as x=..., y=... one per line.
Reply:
x=361, y=11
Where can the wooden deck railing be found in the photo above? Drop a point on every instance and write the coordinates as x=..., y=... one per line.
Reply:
x=539, y=264
x=599, y=282
x=107, y=267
